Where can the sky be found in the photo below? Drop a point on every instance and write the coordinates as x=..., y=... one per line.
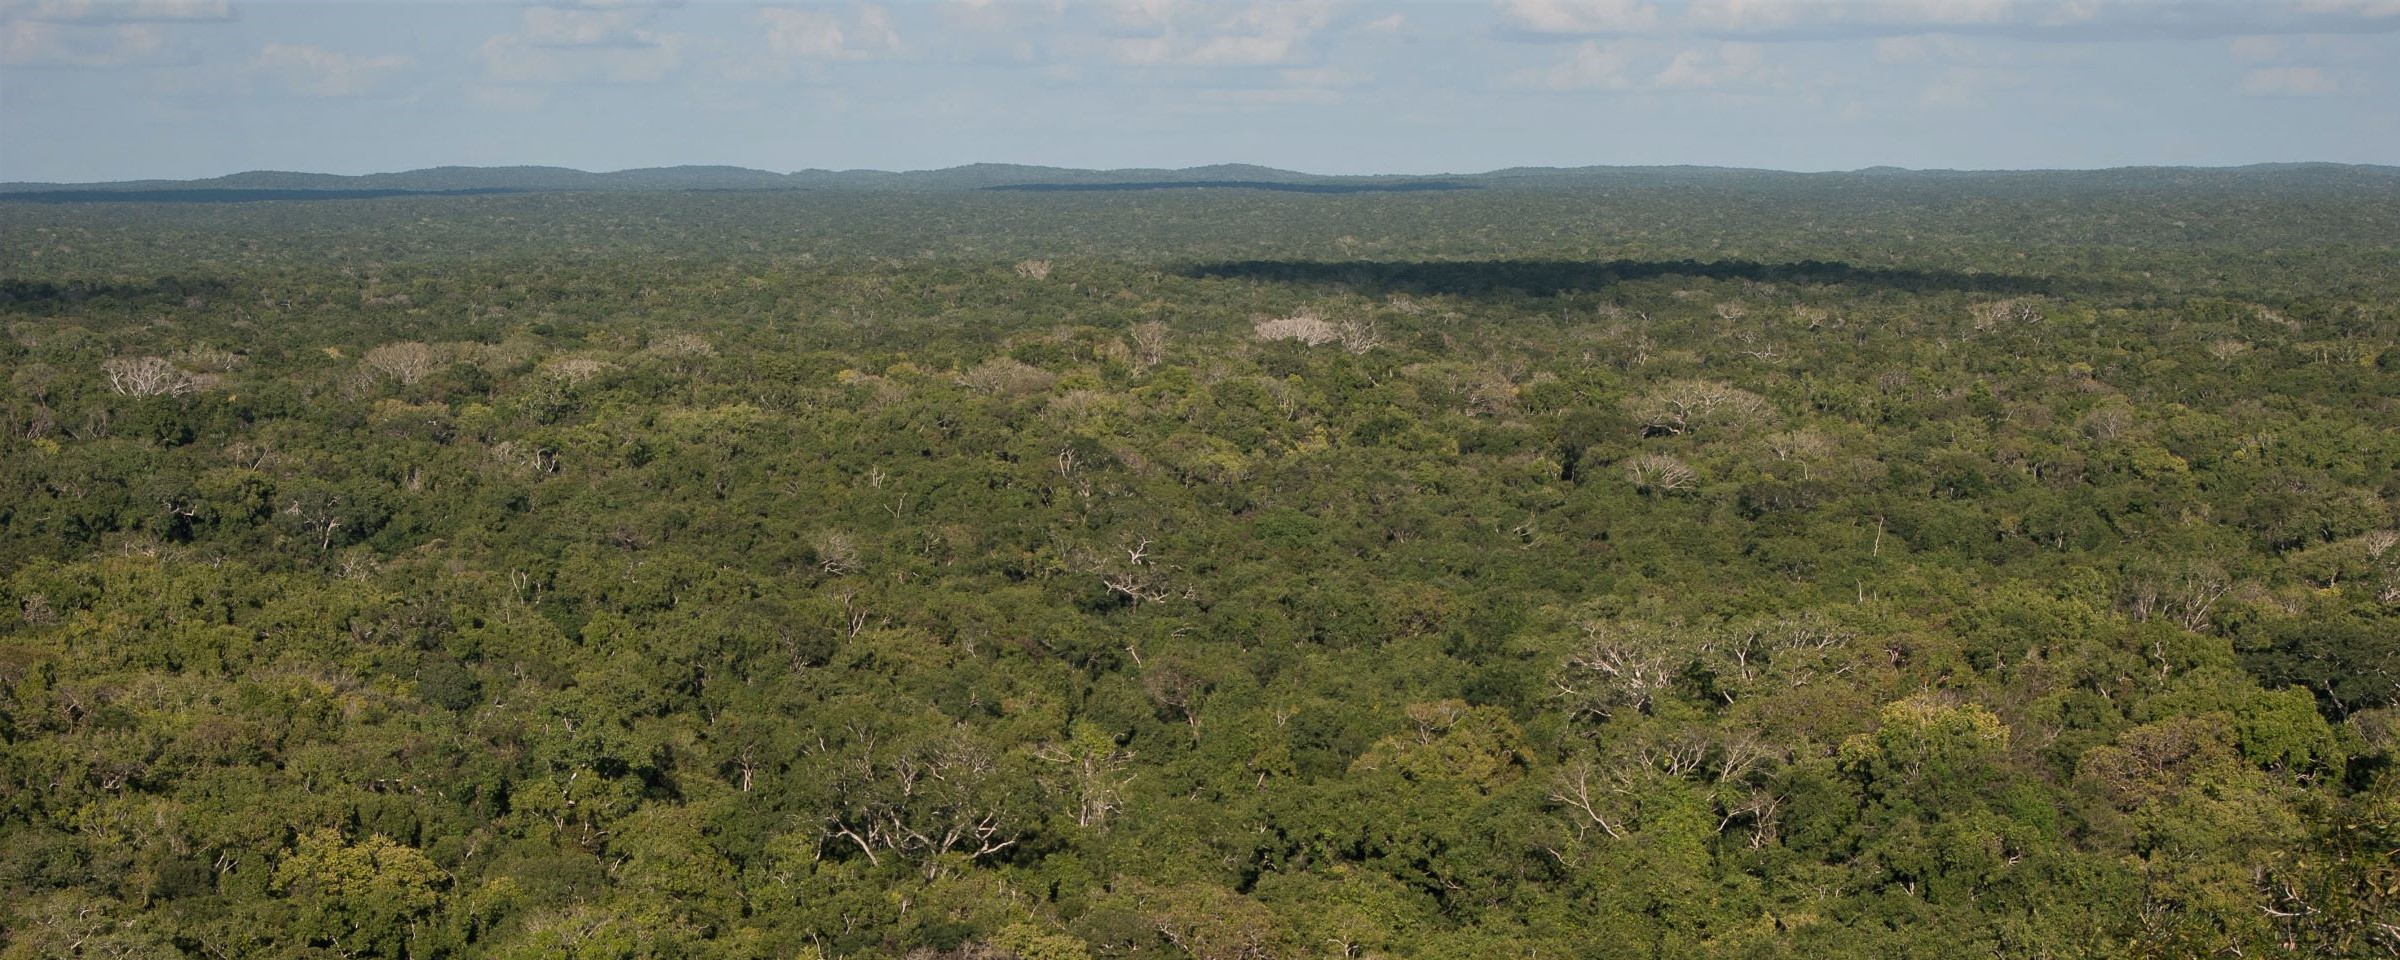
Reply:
x=94, y=90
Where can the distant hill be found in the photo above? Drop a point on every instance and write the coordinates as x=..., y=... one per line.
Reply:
x=286, y=185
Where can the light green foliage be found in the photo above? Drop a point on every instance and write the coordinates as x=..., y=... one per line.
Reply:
x=361, y=898
x=1667, y=564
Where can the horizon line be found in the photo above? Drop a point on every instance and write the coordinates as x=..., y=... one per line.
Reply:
x=1219, y=165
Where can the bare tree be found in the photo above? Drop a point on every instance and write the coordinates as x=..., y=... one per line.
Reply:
x=1993, y=314
x=147, y=377
x=1178, y=688
x=209, y=360
x=1593, y=794
x=1304, y=325
x=2109, y=422
x=1801, y=446
x=837, y=553
x=2380, y=542
x=1034, y=269
x=919, y=799
x=1137, y=575
x=405, y=362
x=1620, y=667
x=680, y=345
x=1359, y=335
x=1007, y=376
x=1656, y=473
x=2186, y=592
x=1093, y=768
x=1682, y=406
x=1149, y=344
x=574, y=368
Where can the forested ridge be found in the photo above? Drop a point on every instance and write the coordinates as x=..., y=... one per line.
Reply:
x=1631, y=566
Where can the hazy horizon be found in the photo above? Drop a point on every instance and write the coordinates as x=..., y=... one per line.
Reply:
x=1203, y=166
x=95, y=91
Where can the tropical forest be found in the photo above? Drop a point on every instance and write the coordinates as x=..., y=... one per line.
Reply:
x=1011, y=563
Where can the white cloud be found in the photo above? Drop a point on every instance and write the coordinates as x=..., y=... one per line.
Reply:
x=122, y=11
x=1271, y=97
x=813, y=34
x=1729, y=65
x=1591, y=65
x=2254, y=49
x=46, y=43
x=1580, y=16
x=581, y=43
x=90, y=33
x=577, y=27
x=318, y=72
x=1961, y=86
x=2288, y=82
x=1174, y=33
x=1896, y=51
x=2361, y=8
x=510, y=58
x=2073, y=20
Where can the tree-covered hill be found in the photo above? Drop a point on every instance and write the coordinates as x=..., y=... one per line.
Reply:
x=1733, y=565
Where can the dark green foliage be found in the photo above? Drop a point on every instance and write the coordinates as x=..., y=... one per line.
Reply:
x=1615, y=568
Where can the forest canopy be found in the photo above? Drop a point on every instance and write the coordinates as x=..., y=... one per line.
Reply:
x=1637, y=564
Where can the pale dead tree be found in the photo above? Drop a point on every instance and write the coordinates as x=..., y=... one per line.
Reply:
x=1680, y=755
x=1620, y=667
x=1138, y=577
x=1137, y=587
x=1731, y=312
x=1178, y=688
x=2194, y=591
x=209, y=360
x=1149, y=344
x=1791, y=651
x=2380, y=542
x=405, y=362
x=1738, y=754
x=574, y=369
x=147, y=377
x=1992, y=314
x=1592, y=795
x=1359, y=335
x=2185, y=593
x=2109, y=422
x=320, y=515
x=1304, y=325
x=680, y=345
x=1007, y=376
x=524, y=458
x=37, y=611
x=1804, y=447
x=747, y=762
x=1140, y=551
x=837, y=553
x=1489, y=392
x=921, y=800
x=2227, y=350
x=1683, y=406
x=1657, y=473
x=1093, y=768
x=1761, y=806
x=1034, y=269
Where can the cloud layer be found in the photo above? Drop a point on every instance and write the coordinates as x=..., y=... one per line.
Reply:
x=1327, y=84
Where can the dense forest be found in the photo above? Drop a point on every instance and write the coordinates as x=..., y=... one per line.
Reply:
x=1586, y=564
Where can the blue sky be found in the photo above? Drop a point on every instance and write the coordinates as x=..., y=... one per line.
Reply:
x=93, y=90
